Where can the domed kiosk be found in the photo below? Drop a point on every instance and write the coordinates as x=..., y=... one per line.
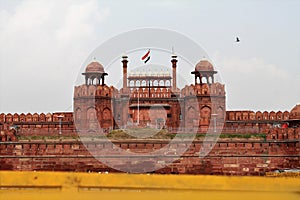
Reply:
x=204, y=69
x=94, y=72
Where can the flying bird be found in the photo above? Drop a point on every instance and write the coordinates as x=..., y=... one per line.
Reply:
x=237, y=39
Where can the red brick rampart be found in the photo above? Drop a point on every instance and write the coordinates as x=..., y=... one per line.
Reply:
x=238, y=122
x=228, y=157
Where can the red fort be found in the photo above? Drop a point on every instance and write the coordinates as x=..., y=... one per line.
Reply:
x=153, y=100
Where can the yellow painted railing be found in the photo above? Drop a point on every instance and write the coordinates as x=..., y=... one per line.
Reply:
x=64, y=185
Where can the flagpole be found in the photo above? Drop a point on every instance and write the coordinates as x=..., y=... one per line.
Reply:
x=149, y=89
x=138, y=120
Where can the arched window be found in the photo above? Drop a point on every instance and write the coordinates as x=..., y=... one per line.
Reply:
x=151, y=83
x=78, y=114
x=91, y=114
x=106, y=114
x=191, y=113
x=161, y=83
x=220, y=113
x=168, y=83
x=137, y=83
x=131, y=83
x=143, y=83
x=205, y=114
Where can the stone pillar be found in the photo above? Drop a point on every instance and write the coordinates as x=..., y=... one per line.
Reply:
x=174, y=65
x=103, y=80
x=200, y=77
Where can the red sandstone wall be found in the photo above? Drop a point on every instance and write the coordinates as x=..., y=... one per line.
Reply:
x=48, y=124
x=236, y=157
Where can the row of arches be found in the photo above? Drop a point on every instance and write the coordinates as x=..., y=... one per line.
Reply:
x=92, y=114
x=94, y=80
x=201, y=79
x=152, y=93
x=138, y=83
x=92, y=119
x=205, y=113
x=99, y=90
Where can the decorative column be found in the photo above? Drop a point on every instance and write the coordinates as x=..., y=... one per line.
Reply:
x=174, y=65
x=124, y=61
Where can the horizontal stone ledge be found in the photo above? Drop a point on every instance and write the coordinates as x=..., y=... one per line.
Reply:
x=152, y=141
x=43, y=123
x=151, y=156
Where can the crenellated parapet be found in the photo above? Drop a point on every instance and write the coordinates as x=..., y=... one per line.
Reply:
x=217, y=89
x=257, y=116
x=214, y=89
x=258, y=122
x=32, y=118
x=39, y=124
x=187, y=90
x=95, y=91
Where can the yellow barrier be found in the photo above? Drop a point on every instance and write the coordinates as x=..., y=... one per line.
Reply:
x=64, y=185
x=283, y=174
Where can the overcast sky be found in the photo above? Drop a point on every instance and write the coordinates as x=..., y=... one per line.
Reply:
x=45, y=43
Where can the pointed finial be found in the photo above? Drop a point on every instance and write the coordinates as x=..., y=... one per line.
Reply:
x=124, y=56
x=173, y=53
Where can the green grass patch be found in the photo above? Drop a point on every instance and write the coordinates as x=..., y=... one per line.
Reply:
x=143, y=133
x=243, y=135
x=136, y=133
x=42, y=137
